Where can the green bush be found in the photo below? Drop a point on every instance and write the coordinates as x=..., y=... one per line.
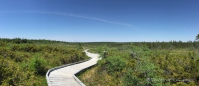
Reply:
x=115, y=64
x=2, y=44
x=38, y=65
x=129, y=79
x=11, y=74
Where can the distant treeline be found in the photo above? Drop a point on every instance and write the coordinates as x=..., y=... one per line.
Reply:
x=23, y=40
x=150, y=45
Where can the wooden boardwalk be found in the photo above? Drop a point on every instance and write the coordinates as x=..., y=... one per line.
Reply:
x=65, y=76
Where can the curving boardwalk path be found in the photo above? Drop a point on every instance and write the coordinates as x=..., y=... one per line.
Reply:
x=65, y=76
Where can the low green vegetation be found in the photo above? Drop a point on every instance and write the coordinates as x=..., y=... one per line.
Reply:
x=144, y=64
x=25, y=62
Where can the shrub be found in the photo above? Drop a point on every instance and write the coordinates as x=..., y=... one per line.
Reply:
x=38, y=65
x=2, y=44
x=15, y=47
x=129, y=79
x=115, y=64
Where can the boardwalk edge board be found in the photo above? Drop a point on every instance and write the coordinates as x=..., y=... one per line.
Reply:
x=58, y=67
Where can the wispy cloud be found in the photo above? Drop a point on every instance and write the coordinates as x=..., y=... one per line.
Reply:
x=86, y=17
x=97, y=19
x=186, y=30
x=72, y=15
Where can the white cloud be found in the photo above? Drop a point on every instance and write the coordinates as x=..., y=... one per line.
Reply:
x=186, y=30
x=80, y=16
x=126, y=24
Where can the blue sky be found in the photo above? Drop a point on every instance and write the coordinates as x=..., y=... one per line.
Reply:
x=100, y=20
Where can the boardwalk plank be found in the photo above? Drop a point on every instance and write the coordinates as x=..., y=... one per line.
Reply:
x=64, y=76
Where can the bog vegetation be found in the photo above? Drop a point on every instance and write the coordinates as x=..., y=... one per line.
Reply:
x=25, y=62
x=144, y=64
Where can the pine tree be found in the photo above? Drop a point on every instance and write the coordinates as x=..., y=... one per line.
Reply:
x=197, y=37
